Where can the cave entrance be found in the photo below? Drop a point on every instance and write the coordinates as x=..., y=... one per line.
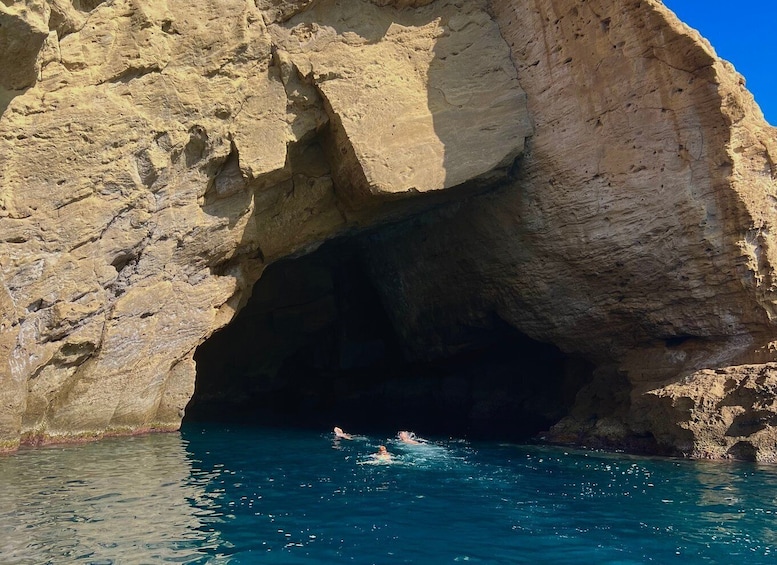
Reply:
x=314, y=347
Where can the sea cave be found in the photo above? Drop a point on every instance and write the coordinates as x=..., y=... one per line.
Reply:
x=316, y=346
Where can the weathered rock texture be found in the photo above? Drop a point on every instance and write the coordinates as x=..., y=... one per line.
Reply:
x=167, y=152
x=590, y=174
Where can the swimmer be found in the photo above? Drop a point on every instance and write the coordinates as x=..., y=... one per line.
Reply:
x=382, y=454
x=409, y=437
x=340, y=434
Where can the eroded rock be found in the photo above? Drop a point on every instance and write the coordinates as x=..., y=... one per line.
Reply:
x=635, y=233
x=23, y=31
x=167, y=153
x=401, y=87
x=728, y=412
x=590, y=175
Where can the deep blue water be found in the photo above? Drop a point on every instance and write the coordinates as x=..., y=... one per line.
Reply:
x=242, y=495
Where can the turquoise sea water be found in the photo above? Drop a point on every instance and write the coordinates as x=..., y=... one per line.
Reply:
x=247, y=495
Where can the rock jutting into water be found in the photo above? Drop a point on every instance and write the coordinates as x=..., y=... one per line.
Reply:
x=589, y=176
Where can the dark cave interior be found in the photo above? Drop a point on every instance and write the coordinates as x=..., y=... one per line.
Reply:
x=315, y=348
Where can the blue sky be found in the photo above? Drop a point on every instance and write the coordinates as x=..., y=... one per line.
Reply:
x=743, y=32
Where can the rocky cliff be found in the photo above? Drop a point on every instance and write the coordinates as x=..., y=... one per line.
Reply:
x=590, y=175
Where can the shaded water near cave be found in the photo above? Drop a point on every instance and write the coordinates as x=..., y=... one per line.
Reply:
x=216, y=494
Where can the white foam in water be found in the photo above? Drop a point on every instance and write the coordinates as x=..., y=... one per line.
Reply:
x=425, y=455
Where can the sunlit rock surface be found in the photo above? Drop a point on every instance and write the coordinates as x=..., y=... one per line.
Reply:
x=590, y=175
x=167, y=152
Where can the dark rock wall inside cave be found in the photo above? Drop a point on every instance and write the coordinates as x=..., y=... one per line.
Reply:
x=314, y=347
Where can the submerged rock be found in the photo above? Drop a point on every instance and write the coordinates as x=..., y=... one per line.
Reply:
x=591, y=176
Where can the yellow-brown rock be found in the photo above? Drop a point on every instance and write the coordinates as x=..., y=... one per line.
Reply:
x=163, y=154
x=636, y=232
x=400, y=88
x=23, y=30
x=609, y=182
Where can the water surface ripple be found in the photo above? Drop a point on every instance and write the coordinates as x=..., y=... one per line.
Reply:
x=242, y=495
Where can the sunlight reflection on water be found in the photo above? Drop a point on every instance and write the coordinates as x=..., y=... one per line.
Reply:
x=220, y=495
x=129, y=500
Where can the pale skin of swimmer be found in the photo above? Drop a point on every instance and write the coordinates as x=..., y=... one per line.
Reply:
x=382, y=454
x=408, y=437
x=340, y=434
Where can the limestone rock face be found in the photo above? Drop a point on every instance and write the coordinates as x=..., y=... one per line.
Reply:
x=715, y=413
x=399, y=87
x=162, y=154
x=636, y=233
x=588, y=174
x=23, y=29
x=666, y=209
